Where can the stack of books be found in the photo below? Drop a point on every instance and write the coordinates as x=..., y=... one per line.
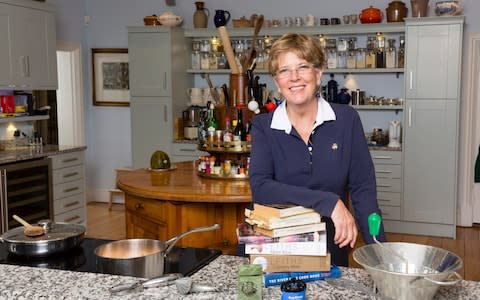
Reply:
x=288, y=241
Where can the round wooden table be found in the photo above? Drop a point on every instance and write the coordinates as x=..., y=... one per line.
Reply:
x=163, y=204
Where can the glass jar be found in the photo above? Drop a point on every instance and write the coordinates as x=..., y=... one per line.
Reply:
x=205, y=61
x=342, y=59
x=212, y=61
x=342, y=45
x=370, y=59
x=332, y=59
x=196, y=60
x=360, y=63
x=351, y=59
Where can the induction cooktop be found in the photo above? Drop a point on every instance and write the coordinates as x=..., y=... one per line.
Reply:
x=82, y=258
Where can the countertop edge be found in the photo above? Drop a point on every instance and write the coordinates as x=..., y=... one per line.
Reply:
x=27, y=153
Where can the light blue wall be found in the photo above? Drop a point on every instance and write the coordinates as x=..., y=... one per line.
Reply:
x=108, y=128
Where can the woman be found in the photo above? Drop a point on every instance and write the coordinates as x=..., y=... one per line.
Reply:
x=310, y=152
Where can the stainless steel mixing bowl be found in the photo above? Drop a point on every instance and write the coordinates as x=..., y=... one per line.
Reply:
x=426, y=269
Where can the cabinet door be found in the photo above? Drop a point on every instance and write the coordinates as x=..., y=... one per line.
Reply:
x=433, y=60
x=430, y=161
x=151, y=128
x=34, y=49
x=5, y=50
x=150, y=63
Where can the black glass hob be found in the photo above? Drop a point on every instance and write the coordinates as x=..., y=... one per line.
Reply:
x=82, y=258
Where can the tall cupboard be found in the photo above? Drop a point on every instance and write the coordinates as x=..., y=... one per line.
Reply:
x=432, y=98
x=158, y=83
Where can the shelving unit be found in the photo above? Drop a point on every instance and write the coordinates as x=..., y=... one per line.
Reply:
x=24, y=119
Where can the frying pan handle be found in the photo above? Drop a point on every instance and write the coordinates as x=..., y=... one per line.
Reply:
x=449, y=282
x=171, y=242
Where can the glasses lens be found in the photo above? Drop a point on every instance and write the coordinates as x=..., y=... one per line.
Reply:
x=302, y=70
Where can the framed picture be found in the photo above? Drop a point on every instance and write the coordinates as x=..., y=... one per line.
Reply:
x=110, y=77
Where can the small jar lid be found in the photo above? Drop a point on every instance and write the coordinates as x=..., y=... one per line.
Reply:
x=293, y=285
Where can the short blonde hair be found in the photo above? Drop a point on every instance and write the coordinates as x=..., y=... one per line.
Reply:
x=304, y=46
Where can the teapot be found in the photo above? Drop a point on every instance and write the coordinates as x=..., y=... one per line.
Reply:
x=371, y=15
x=168, y=18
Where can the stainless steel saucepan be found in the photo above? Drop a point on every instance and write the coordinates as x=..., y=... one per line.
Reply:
x=139, y=257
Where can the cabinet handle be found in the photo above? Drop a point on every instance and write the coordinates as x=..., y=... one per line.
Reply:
x=165, y=113
x=71, y=204
x=409, y=116
x=71, y=219
x=164, y=80
x=187, y=150
x=382, y=157
x=69, y=160
x=139, y=206
x=383, y=171
x=71, y=189
x=384, y=185
x=70, y=174
x=411, y=80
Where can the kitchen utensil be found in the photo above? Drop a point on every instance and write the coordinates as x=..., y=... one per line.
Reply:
x=227, y=48
x=371, y=15
x=185, y=285
x=139, y=257
x=213, y=91
x=394, y=130
x=250, y=56
x=150, y=283
x=29, y=229
x=429, y=267
x=58, y=237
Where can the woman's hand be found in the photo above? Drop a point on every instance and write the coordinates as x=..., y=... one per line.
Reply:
x=345, y=228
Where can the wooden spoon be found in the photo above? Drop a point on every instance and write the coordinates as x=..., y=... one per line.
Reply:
x=29, y=230
x=258, y=26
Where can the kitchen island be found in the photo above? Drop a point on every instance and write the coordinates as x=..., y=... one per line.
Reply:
x=19, y=282
x=161, y=204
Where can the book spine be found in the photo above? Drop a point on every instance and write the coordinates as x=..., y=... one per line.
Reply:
x=260, y=239
x=274, y=279
x=273, y=223
x=289, y=248
x=290, y=230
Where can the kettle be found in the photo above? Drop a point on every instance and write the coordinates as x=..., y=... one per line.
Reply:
x=394, y=134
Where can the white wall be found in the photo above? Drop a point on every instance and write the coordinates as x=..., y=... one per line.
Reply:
x=108, y=128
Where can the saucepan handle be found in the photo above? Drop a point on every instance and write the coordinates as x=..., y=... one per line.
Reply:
x=449, y=282
x=171, y=242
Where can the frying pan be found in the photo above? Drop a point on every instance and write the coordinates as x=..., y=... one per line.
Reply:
x=139, y=257
x=58, y=237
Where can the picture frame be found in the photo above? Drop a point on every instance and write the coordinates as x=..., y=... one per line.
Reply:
x=110, y=84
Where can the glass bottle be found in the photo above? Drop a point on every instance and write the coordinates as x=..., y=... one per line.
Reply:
x=380, y=51
x=239, y=133
x=228, y=133
x=212, y=124
x=332, y=89
x=390, y=55
x=401, y=53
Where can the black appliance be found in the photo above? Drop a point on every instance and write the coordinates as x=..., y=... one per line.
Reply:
x=82, y=258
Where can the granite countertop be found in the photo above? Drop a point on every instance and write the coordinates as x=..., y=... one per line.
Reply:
x=30, y=152
x=19, y=282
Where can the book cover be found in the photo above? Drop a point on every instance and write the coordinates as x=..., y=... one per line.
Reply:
x=290, y=248
x=277, y=278
x=280, y=210
x=291, y=263
x=273, y=223
x=279, y=232
x=246, y=235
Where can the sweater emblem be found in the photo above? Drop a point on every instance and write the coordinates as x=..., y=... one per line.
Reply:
x=334, y=146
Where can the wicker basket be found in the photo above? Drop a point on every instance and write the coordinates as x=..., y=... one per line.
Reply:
x=242, y=23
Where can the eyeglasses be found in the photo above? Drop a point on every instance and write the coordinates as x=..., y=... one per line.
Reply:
x=301, y=70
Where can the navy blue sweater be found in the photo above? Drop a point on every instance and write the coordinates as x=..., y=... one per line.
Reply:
x=282, y=170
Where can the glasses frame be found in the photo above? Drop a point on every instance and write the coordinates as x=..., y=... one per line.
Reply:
x=301, y=70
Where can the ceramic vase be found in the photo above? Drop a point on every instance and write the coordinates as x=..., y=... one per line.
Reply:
x=419, y=8
x=200, y=16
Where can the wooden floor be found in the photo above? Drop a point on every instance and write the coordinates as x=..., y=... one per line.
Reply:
x=105, y=224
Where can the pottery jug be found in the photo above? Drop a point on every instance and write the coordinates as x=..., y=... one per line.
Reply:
x=221, y=17
x=200, y=16
x=419, y=8
x=371, y=15
x=396, y=11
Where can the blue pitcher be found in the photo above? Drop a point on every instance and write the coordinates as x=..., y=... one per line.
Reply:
x=221, y=17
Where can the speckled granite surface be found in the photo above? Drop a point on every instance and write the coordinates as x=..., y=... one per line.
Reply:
x=37, y=283
x=25, y=153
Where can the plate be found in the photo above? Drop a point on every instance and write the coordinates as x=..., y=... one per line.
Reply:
x=173, y=167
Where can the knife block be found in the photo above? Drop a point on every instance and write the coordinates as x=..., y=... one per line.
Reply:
x=238, y=91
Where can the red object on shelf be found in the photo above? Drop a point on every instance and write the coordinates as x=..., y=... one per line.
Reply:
x=7, y=103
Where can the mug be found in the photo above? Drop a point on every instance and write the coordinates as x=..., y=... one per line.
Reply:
x=310, y=20
x=298, y=21
x=288, y=21
x=324, y=21
x=195, y=92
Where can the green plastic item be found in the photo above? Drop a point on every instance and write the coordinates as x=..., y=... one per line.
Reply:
x=250, y=282
x=374, y=221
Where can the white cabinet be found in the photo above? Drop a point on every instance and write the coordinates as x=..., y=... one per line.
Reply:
x=186, y=152
x=28, y=55
x=433, y=60
x=68, y=181
x=158, y=59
